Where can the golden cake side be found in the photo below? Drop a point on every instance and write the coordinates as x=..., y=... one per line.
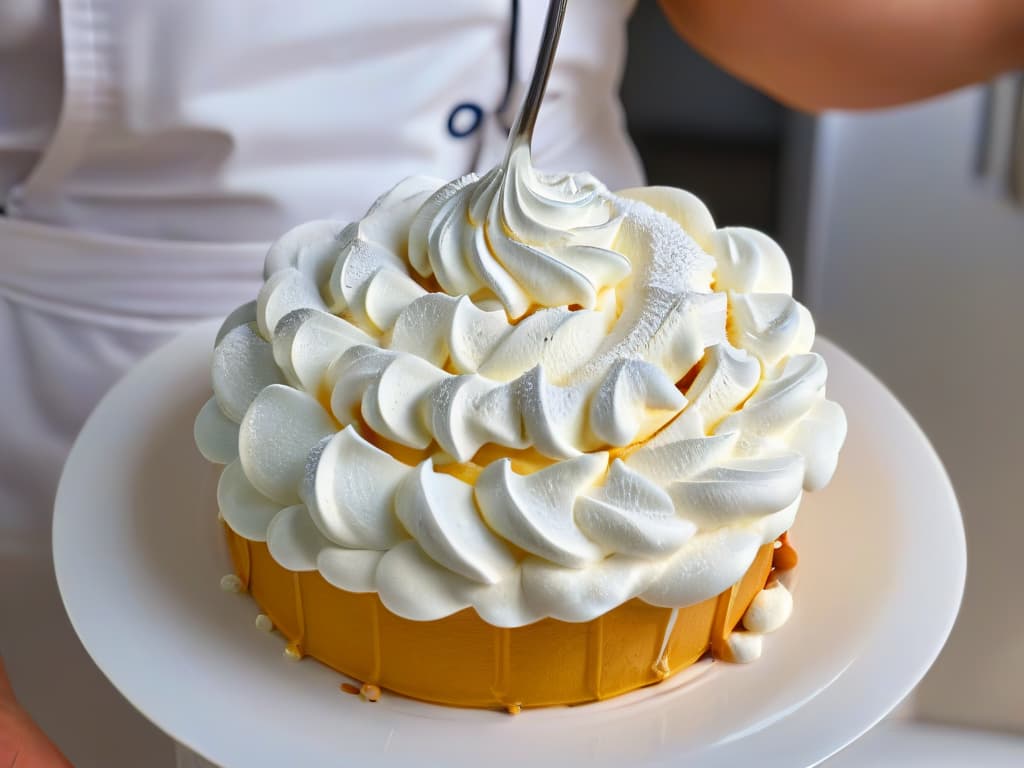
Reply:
x=462, y=661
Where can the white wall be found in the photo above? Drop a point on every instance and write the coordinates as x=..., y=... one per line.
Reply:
x=919, y=272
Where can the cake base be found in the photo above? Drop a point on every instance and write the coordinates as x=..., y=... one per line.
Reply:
x=462, y=661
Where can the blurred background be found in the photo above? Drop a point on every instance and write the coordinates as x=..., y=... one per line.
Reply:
x=905, y=228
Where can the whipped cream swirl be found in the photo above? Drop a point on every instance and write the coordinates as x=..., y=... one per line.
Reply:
x=520, y=238
x=523, y=394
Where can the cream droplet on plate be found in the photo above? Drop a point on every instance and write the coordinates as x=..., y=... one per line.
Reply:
x=744, y=647
x=770, y=609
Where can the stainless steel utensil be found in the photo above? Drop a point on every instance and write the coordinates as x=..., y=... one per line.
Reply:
x=522, y=129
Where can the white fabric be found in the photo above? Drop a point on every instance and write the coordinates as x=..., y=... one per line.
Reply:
x=189, y=135
x=238, y=119
x=76, y=311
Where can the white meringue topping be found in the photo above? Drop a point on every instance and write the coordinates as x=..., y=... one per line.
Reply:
x=634, y=388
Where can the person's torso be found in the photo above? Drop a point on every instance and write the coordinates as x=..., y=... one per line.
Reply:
x=234, y=120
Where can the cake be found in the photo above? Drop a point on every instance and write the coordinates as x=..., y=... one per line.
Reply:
x=516, y=440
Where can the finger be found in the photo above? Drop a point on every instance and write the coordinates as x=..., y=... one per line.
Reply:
x=6, y=691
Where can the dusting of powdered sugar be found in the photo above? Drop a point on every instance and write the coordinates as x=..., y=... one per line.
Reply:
x=670, y=267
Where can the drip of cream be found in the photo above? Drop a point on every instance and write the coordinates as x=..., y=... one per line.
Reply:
x=662, y=664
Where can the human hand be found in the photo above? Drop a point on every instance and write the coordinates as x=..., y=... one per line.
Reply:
x=23, y=743
x=855, y=53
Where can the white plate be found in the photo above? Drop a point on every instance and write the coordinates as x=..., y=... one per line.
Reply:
x=139, y=556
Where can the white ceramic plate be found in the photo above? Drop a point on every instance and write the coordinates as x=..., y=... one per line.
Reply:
x=139, y=557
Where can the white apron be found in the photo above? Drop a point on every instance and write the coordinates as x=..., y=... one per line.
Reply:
x=192, y=133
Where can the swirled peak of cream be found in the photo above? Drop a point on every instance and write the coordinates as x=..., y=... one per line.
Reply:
x=524, y=394
x=521, y=237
